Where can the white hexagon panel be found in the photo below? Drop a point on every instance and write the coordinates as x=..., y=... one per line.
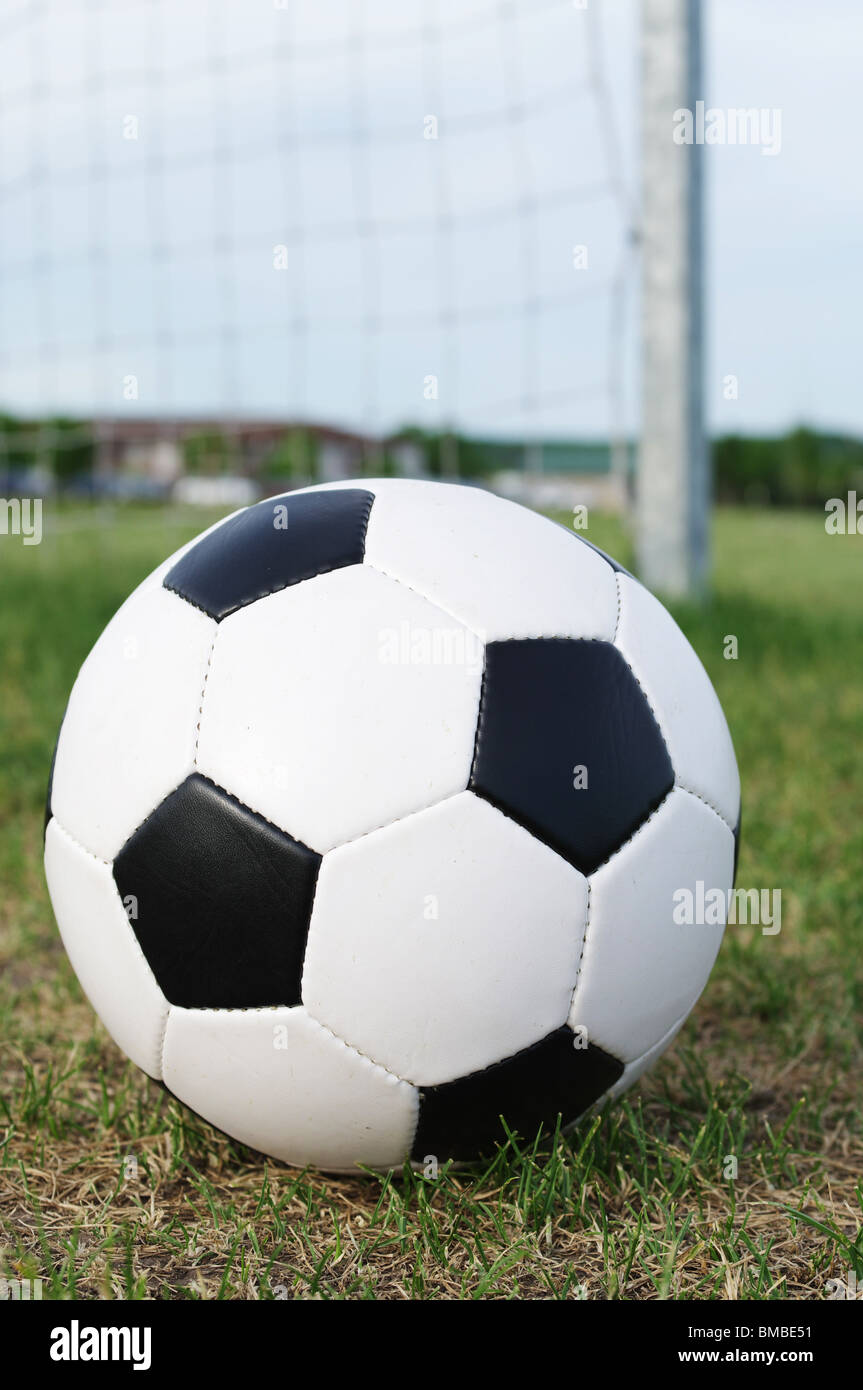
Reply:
x=103, y=948
x=444, y=942
x=644, y=963
x=676, y=683
x=340, y=704
x=279, y=1081
x=128, y=735
x=502, y=570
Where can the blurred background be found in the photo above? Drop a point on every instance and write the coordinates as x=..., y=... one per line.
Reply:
x=246, y=246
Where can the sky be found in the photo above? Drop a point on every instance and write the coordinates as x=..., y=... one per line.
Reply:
x=234, y=208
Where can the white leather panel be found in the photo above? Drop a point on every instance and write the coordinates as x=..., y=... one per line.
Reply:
x=339, y=705
x=641, y=970
x=682, y=698
x=128, y=737
x=500, y=568
x=104, y=950
x=633, y=1070
x=445, y=942
x=278, y=1081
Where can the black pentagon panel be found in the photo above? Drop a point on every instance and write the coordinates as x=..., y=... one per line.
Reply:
x=552, y=706
x=462, y=1119
x=736, y=845
x=270, y=546
x=221, y=900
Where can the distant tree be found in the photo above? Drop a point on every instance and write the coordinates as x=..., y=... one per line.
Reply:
x=70, y=451
x=294, y=457
x=801, y=468
x=63, y=446
x=209, y=453
x=16, y=446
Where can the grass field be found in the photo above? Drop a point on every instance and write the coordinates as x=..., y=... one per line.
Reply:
x=110, y=1188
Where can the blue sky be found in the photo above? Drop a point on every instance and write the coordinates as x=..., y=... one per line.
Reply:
x=153, y=257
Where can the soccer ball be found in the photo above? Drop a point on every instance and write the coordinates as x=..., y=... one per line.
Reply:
x=369, y=819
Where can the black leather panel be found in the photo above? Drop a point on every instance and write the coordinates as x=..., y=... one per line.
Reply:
x=549, y=706
x=737, y=844
x=252, y=556
x=223, y=900
x=461, y=1119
